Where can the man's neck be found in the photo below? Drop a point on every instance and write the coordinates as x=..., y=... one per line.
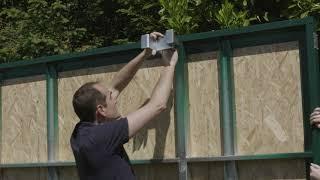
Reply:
x=101, y=121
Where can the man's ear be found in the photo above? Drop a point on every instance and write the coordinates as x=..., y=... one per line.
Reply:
x=100, y=110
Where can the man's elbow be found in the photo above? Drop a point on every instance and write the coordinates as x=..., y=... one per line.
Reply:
x=159, y=107
x=162, y=107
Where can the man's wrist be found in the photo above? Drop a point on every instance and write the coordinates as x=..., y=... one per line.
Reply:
x=146, y=53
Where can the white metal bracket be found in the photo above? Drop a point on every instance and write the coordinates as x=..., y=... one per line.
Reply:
x=167, y=42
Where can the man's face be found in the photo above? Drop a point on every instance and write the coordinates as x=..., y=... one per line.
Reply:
x=109, y=110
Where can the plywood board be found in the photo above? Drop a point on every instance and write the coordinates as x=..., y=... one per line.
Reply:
x=24, y=122
x=156, y=140
x=272, y=169
x=156, y=172
x=204, y=137
x=206, y=171
x=24, y=174
x=268, y=99
x=67, y=173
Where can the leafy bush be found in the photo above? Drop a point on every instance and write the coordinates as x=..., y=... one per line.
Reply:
x=177, y=15
x=141, y=16
x=33, y=28
x=304, y=8
x=41, y=29
x=229, y=17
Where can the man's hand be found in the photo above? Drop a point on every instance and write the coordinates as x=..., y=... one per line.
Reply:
x=315, y=117
x=169, y=57
x=154, y=36
x=314, y=172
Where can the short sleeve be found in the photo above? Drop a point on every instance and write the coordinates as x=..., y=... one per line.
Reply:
x=112, y=133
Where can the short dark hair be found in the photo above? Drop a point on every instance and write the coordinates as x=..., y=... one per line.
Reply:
x=85, y=101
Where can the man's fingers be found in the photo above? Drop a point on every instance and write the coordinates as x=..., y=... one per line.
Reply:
x=315, y=116
x=155, y=35
x=315, y=166
x=317, y=109
x=316, y=123
x=315, y=113
x=161, y=35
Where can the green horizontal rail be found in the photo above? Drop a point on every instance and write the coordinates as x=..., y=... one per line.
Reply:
x=72, y=163
x=302, y=155
x=244, y=30
x=135, y=46
x=74, y=56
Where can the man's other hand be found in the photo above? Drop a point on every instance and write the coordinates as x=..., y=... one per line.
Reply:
x=315, y=117
x=314, y=172
x=169, y=57
x=154, y=36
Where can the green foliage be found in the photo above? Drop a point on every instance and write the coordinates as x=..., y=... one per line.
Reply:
x=229, y=17
x=141, y=16
x=304, y=8
x=33, y=28
x=177, y=15
x=41, y=29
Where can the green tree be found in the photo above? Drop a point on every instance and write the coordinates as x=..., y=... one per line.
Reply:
x=40, y=29
x=33, y=28
x=178, y=15
x=141, y=16
x=302, y=9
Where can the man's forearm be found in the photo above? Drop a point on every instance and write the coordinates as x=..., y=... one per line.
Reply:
x=163, y=88
x=125, y=75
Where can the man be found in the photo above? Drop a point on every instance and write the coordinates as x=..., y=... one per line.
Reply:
x=315, y=121
x=97, y=140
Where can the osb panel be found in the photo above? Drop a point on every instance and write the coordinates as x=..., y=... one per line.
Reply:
x=24, y=174
x=268, y=99
x=156, y=172
x=68, y=173
x=206, y=171
x=24, y=124
x=156, y=140
x=272, y=169
x=204, y=136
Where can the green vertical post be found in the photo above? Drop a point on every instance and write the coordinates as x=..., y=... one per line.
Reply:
x=182, y=110
x=1, y=83
x=226, y=107
x=313, y=84
x=52, y=119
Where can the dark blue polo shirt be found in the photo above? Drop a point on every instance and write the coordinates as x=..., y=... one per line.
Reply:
x=98, y=150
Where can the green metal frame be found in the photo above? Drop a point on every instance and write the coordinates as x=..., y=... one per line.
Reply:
x=226, y=107
x=52, y=119
x=223, y=41
x=182, y=113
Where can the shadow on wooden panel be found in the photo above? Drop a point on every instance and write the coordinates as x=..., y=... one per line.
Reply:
x=273, y=48
x=156, y=172
x=24, y=174
x=272, y=169
x=68, y=173
x=161, y=126
x=206, y=171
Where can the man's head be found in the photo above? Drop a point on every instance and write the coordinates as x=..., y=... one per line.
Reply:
x=93, y=102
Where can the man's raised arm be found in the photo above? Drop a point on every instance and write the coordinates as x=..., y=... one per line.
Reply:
x=159, y=97
x=125, y=75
